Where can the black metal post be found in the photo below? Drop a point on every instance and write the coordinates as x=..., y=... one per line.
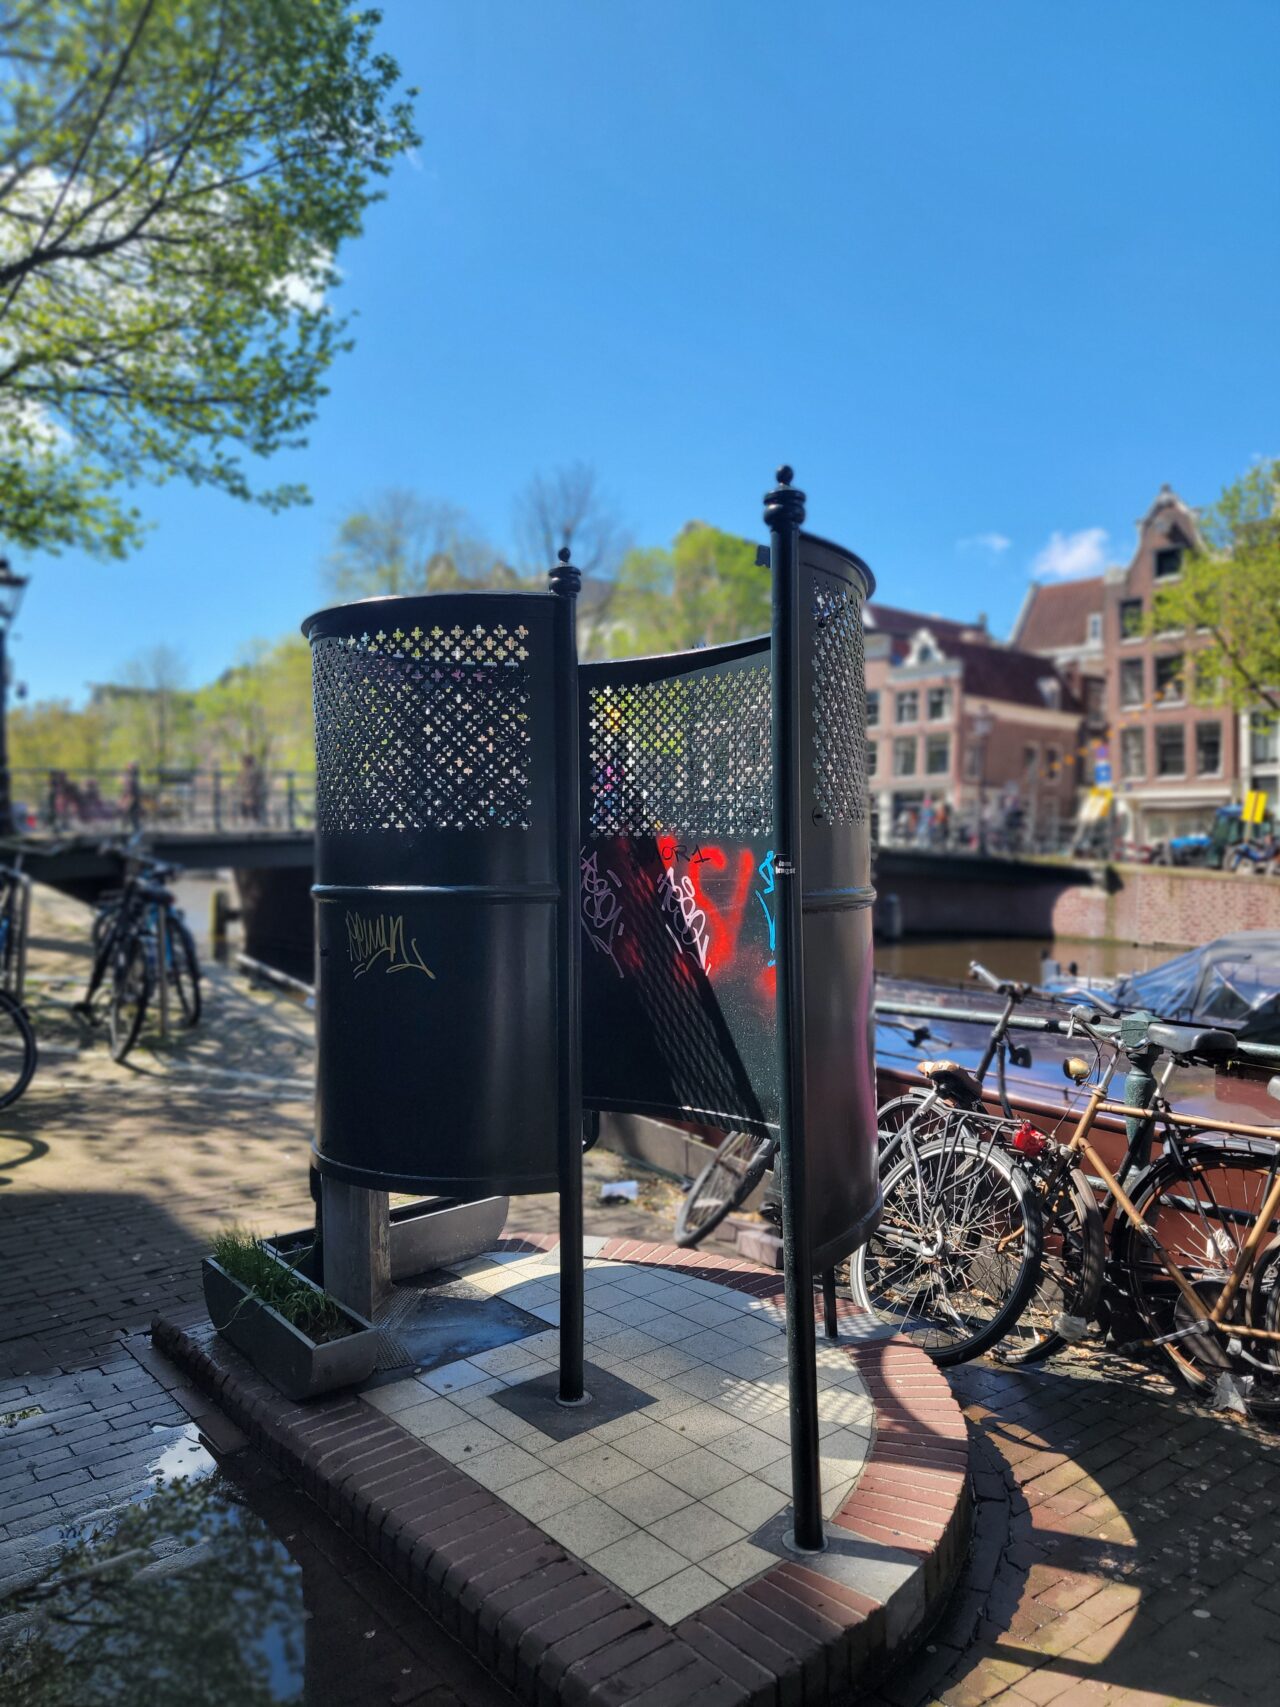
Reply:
x=783, y=514
x=565, y=582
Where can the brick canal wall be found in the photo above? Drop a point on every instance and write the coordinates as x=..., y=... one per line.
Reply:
x=1165, y=906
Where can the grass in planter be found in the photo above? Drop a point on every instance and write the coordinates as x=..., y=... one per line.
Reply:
x=274, y=1280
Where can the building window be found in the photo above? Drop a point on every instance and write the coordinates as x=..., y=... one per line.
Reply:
x=1130, y=619
x=873, y=707
x=1171, y=750
x=1132, y=683
x=907, y=709
x=1052, y=761
x=872, y=755
x=939, y=704
x=1093, y=633
x=1133, y=753
x=1095, y=698
x=1169, y=689
x=1204, y=683
x=1168, y=563
x=972, y=762
x=1208, y=749
x=904, y=756
x=1030, y=762
x=1264, y=739
x=937, y=755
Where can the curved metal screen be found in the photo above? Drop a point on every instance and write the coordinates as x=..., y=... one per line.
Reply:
x=440, y=1037
x=678, y=885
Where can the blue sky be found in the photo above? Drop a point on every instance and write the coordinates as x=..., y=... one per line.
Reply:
x=984, y=272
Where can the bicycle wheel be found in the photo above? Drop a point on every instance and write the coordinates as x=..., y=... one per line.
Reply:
x=899, y=1113
x=1201, y=1207
x=17, y=1050
x=957, y=1252
x=724, y=1185
x=130, y=993
x=1071, y=1270
x=184, y=970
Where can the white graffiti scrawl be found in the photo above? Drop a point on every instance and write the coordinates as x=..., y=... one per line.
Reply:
x=602, y=918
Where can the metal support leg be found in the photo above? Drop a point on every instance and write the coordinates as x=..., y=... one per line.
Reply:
x=162, y=969
x=830, y=1323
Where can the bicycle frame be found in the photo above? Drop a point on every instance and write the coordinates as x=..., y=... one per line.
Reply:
x=1204, y=1315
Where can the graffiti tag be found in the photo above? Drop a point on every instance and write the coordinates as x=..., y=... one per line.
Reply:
x=683, y=917
x=602, y=908
x=369, y=940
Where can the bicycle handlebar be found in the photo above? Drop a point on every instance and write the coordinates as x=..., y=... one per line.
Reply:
x=1002, y=986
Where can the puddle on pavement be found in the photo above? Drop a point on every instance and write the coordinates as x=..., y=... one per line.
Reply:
x=222, y=1586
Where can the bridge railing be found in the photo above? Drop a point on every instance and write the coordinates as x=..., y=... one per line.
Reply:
x=56, y=802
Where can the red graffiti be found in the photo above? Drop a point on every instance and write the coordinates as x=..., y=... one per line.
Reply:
x=724, y=923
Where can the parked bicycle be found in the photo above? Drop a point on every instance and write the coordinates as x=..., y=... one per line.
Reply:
x=140, y=938
x=740, y=1164
x=1194, y=1248
x=1071, y=1247
x=18, y=1052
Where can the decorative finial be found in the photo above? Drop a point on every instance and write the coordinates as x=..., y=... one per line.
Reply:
x=784, y=506
x=565, y=580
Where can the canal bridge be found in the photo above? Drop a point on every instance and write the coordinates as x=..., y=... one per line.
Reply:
x=922, y=892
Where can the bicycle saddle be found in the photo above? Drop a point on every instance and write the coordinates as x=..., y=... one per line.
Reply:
x=951, y=1076
x=1207, y=1045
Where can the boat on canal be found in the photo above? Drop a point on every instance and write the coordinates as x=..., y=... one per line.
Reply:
x=1232, y=983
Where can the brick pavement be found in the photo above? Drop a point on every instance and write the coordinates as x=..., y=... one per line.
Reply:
x=1111, y=1514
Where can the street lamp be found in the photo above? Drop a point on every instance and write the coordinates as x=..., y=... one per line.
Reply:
x=12, y=587
x=982, y=726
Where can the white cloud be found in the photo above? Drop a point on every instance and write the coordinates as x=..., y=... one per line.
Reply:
x=996, y=542
x=1070, y=554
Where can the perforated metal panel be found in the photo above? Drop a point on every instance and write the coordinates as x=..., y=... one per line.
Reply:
x=688, y=754
x=423, y=730
x=839, y=699
x=440, y=1029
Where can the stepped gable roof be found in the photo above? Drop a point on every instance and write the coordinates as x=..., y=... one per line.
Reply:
x=1056, y=614
x=1007, y=673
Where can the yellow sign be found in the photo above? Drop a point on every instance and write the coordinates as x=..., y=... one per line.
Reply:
x=1254, y=809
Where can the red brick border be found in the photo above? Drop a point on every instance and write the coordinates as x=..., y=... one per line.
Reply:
x=554, y=1629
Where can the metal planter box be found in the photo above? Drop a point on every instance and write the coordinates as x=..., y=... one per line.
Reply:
x=299, y=1367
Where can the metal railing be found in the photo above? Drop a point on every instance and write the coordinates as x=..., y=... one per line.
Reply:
x=62, y=802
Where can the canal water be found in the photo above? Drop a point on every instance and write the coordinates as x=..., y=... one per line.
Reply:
x=947, y=958
x=225, y=1586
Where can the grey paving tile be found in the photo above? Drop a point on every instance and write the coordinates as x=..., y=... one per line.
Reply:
x=451, y=1376
x=655, y=1445
x=700, y=1472
x=430, y=1417
x=646, y=1498
x=687, y=1592
x=542, y=1495
x=587, y=1527
x=500, y=1467
x=749, y=1448
x=637, y=1562
x=700, y=1425
x=599, y=1469
x=463, y=1439
x=696, y=1530
x=748, y=1503
x=739, y=1563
